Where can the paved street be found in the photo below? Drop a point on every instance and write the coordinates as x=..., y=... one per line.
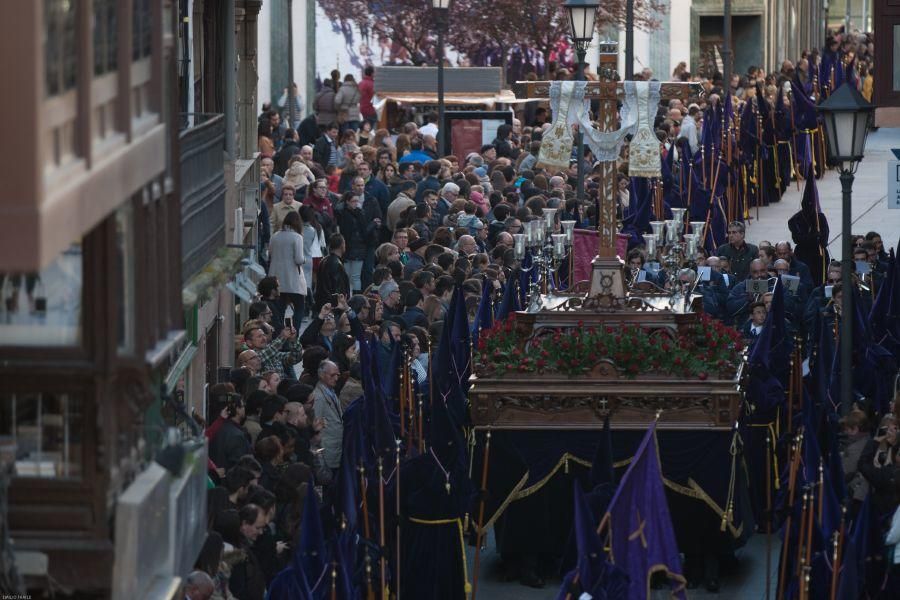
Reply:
x=870, y=212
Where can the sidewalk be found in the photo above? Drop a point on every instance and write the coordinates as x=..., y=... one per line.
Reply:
x=870, y=211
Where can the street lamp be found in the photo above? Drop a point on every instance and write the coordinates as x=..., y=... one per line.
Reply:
x=846, y=115
x=582, y=15
x=441, y=8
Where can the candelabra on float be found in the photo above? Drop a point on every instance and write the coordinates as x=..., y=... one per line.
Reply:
x=548, y=252
x=677, y=252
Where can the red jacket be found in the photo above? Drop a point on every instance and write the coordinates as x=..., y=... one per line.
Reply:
x=322, y=205
x=366, y=92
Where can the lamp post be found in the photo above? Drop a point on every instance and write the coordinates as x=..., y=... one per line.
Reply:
x=441, y=8
x=290, y=53
x=582, y=15
x=726, y=47
x=629, y=39
x=846, y=117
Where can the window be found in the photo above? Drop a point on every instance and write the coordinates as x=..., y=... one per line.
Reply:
x=896, y=60
x=43, y=309
x=141, y=30
x=105, y=36
x=46, y=429
x=125, y=277
x=60, y=57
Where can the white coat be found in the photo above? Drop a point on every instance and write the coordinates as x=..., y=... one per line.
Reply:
x=286, y=259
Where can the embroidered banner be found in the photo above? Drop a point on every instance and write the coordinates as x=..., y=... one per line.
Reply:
x=567, y=106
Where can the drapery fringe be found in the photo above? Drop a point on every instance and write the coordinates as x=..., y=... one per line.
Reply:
x=692, y=490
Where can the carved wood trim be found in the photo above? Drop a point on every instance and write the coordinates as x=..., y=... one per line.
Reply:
x=582, y=403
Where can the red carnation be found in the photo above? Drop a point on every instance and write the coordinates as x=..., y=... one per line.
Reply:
x=703, y=375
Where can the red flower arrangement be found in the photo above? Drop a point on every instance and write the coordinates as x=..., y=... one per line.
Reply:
x=706, y=349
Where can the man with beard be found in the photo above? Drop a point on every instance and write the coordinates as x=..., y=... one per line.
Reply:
x=737, y=251
x=231, y=441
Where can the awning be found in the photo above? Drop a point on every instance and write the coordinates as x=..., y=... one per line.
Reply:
x=502, y=96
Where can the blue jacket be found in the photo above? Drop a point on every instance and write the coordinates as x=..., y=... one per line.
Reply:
x=415, y=156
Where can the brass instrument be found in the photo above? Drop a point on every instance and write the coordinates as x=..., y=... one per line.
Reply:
x=407, y=400
x=837, y=316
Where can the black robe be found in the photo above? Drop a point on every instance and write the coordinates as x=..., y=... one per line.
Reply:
x=432, y=559
x=810, y=234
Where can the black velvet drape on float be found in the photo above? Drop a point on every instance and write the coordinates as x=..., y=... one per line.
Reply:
x=529, y=492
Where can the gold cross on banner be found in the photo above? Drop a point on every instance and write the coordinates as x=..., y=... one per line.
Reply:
x=639, y=532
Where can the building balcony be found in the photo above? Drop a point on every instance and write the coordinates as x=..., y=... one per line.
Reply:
x=203, y=217
x=84, y=130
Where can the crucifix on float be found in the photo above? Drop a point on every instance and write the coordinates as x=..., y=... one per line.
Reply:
x=607, y=277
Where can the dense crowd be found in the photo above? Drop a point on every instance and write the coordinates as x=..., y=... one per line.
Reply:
x=367, y=232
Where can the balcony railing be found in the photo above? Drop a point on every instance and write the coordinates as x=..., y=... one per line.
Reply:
x=203, y=216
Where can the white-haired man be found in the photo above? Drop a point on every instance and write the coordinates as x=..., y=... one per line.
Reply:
x=449, y=193
x=327, y=406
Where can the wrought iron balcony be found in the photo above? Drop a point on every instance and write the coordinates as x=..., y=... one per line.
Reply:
x=202, y=141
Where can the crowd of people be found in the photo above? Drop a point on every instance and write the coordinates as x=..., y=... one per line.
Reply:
x=367, y=234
